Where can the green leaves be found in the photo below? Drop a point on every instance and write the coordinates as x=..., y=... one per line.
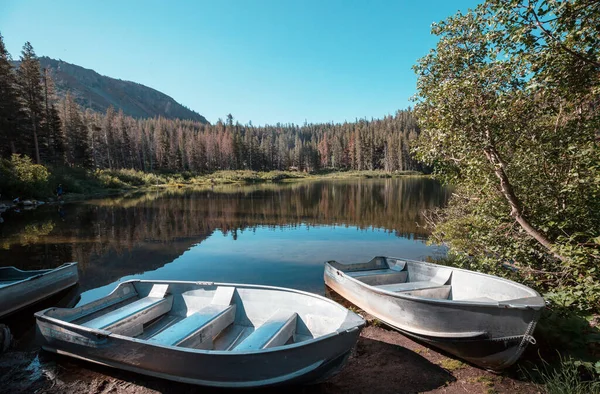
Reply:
x=498, y=78
x=23, y=177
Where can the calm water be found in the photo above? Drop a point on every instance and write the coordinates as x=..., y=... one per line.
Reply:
x=269, y=234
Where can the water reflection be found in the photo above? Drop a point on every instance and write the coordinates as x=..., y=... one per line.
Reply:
x=272, y=234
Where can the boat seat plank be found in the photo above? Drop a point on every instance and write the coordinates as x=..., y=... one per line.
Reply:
x=87, y=311
x=380, y=277
x=223, y=295
x=200, y=328
x=358, y=274
x=128, y=320
x=207, y=323
x=408, y=286
x=276, y=331
x=441, y=292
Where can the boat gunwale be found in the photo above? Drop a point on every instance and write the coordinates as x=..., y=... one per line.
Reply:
x=104, y=333
x=446, y=302
x=36, y=274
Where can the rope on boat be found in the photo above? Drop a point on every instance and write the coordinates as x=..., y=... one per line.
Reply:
x=528, y=337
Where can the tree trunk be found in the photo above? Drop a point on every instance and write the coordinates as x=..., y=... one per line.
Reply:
x=515, y=207
x=35, y=142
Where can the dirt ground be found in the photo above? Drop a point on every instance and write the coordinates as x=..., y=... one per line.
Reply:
x=384, y=361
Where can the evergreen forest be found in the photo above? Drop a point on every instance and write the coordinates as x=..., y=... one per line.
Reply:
x=34, y=122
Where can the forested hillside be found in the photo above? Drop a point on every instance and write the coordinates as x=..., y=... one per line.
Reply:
x=36, y=123
x=98, y=92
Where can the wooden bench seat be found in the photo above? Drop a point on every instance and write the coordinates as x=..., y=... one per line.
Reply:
x=379, y=277
x=276, y=331
x=420, y=289
x=199, y=329
x=358, y=274
x=129, y=319
x=408, y=286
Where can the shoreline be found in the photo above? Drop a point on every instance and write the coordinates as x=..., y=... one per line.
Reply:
x=131, y=181
x=381, y=351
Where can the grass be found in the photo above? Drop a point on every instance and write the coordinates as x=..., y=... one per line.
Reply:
x=354, y=309
x=375, y=323
x=486, y=380
x=564, y=377
x=452, y=364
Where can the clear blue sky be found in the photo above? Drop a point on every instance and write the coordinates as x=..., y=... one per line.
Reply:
x=266, y=61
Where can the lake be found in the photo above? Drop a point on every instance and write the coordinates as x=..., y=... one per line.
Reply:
x=275, y=234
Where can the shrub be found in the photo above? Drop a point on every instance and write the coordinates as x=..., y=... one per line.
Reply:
x=565, y=377
x=20, y=177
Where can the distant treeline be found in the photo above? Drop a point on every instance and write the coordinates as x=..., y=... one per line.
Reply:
x=34, y=123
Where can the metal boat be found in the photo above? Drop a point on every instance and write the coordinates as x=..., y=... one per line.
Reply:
x=19, y=289
x=483, y=319
x=212, y=334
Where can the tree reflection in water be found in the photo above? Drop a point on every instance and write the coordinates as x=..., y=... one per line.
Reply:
x=126, y=235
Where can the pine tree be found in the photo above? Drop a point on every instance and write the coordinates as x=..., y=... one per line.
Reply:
x=30, y=85
x=10, y=107
x=77, y=140
x=108, y=136
x=52, y=126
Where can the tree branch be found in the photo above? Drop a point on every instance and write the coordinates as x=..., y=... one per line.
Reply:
x=515, y=208
x=563, y=46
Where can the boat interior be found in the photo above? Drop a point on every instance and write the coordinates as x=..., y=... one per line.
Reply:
x=210, y=317
x=434, y=281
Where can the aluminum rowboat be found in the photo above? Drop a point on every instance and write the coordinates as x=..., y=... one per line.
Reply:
x=211, y=334
x=19, y=289
x=483, y=319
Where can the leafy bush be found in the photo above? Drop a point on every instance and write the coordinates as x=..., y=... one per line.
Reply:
x=565, y=377
x=108, y=180
x=512, y=123
x=20, y=177
x=569, y=332
x=75, y=180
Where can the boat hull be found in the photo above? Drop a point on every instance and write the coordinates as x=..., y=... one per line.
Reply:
x=298, y=363
x=46, y=283
x=490, y=336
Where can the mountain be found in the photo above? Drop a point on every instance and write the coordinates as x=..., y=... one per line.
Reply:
x=98, y=92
